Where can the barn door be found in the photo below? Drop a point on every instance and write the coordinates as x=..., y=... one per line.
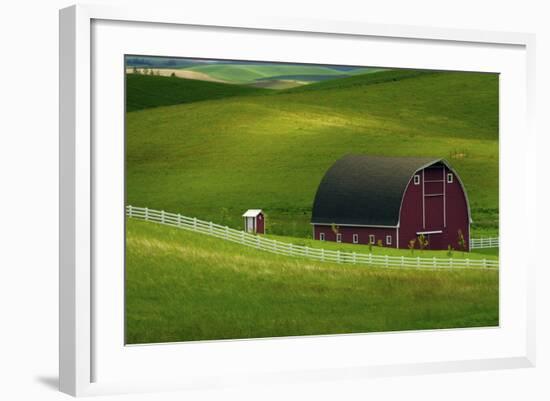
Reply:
x=434, y=212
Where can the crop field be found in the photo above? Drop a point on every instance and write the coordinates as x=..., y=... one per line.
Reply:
x=184, y=286
x=236, y=73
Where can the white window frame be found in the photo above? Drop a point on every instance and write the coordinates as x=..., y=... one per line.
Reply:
x=338, y=237
x=321, y=236
x=416, y=179
x=388, y=240
x=355, y=238
x=449, y=178
x=372, y=239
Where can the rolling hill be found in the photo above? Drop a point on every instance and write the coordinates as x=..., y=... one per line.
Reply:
x=248, y=73
x=146, y=91
x=373, y=78
x=221, y=149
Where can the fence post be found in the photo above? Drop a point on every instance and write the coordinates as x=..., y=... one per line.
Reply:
x=179, y=220
x=147, y=214
x=434, y=262
x=195, y=223
x=354, y=260
x=337, y=256
x=226, y=232
x=386, y=261
x=418, y=261
x=451, y=262
x=307, y=251
x=130, y=211
x=322, y=255
x=484, y=262
x=162, y=216
x=210, y=228
x=467, y=262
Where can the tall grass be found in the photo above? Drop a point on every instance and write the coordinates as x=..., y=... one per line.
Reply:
x=183, y=286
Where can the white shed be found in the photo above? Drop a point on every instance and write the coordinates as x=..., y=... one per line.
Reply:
x=254, y=221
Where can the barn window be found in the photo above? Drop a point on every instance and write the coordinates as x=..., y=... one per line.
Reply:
x=338, y=237
x=371, y=239
x=321, y=236
x=416, y=179
x=355, y=238
x=450, y=178
x=388, y=239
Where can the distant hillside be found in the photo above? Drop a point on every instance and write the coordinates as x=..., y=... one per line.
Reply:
x=248, y=73
x=381, y=76
x=304, y=77
x=146, y=91
x=160, y=62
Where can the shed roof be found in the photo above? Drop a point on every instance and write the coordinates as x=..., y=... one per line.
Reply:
x=252, y=212
x=365, y=190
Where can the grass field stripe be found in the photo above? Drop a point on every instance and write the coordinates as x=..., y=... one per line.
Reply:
x=288, y=249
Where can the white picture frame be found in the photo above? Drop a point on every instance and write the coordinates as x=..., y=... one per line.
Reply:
x=87, y=346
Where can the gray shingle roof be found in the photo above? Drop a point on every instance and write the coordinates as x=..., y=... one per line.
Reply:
x=365, y=190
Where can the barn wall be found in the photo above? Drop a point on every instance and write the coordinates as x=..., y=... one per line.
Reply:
x=411, y=213
x=363, y=232
x=457, y=213
x=449, y=213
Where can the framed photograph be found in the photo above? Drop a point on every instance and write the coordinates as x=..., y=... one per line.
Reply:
x=265, y=201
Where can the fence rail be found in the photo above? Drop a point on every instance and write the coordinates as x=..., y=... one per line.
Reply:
x=288, y=249
x=480, y=243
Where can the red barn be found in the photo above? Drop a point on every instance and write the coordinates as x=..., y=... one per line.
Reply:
x=254, y=221
x=364, y=199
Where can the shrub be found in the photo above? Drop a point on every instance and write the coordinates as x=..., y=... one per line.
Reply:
x=411, y=245
x=461, y=241
x=422, y=242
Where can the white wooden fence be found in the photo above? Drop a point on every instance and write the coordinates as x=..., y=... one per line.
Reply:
x=288, y=249
x=479, y=243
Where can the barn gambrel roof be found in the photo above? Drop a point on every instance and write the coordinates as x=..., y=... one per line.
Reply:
x=366, y=190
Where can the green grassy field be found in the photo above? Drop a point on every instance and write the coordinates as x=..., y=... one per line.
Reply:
x=215, y=158
x=184, y=286
x=239, y=73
